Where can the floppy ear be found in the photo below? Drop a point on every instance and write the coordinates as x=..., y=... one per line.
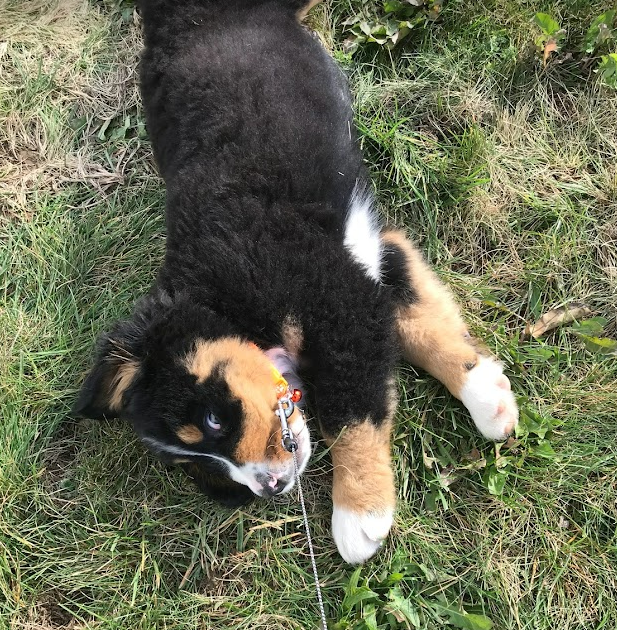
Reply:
x=119, y=356
x=115, y=369
x=118, y=362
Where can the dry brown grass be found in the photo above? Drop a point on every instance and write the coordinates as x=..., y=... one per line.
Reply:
x=56, y=98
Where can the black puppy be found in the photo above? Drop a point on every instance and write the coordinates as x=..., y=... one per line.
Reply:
x=275, y=257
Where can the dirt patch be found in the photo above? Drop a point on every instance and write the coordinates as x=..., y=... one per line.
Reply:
x=48, y=614
x=59, y=457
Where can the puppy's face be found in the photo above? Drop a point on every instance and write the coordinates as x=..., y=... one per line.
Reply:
x=207, y=403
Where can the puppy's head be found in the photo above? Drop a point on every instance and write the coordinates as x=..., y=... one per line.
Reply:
x=196, y=394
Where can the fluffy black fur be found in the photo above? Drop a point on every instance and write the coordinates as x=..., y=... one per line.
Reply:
x=251, y=126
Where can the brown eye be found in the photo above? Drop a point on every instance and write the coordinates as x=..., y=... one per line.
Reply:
x=212, y=422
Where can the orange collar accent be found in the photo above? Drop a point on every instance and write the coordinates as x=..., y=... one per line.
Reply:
x=281, y=385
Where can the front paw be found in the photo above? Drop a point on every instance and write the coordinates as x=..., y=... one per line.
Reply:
x=359, y=535
x=363, y=493
x=486, y=393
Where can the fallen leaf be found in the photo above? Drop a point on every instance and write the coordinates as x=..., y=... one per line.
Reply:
x=428, y=461
x=474, y=455
x=556, y=317
x=448, y=476
x=475, y=459
x=549, y=47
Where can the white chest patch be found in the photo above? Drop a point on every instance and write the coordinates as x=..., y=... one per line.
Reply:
x=362, y=233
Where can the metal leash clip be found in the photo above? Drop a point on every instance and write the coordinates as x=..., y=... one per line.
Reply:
x=286, y=407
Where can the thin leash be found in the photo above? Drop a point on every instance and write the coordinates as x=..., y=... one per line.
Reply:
x=285, y=409
x=310, y=545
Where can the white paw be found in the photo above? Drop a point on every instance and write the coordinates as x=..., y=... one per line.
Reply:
x=487, y=395
x=359, y=536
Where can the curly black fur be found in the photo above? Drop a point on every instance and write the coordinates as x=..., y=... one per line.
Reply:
x=251, y=126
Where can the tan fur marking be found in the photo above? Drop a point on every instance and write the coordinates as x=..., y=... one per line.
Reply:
x=363, y=479
x=302, y=13
x=253, y=383
x=393, y=397
x=190, y=434
x=293, y=337
x=249, y=376
x=432, y=332
x=124, y=376
x=228, y=350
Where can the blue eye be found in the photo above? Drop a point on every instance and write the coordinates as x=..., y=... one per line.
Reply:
x=212, y=422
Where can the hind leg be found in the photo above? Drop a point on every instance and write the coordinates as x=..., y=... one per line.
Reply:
x=434, y=337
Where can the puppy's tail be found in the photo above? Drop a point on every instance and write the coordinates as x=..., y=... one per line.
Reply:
x=299, y=6
x=164, y=17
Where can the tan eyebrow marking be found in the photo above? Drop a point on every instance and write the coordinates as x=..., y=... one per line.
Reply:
x=190, y=434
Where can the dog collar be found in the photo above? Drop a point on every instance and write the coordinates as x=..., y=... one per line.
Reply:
x=286, y=399
x=281, y=386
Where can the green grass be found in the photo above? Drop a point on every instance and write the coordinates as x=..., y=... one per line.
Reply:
x=503, y=170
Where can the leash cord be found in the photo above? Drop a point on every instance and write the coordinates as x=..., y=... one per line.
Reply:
x=310, y=543
x=285, y=409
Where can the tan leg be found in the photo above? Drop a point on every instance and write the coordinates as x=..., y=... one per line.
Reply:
x=363, y=492
x=434, y=337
